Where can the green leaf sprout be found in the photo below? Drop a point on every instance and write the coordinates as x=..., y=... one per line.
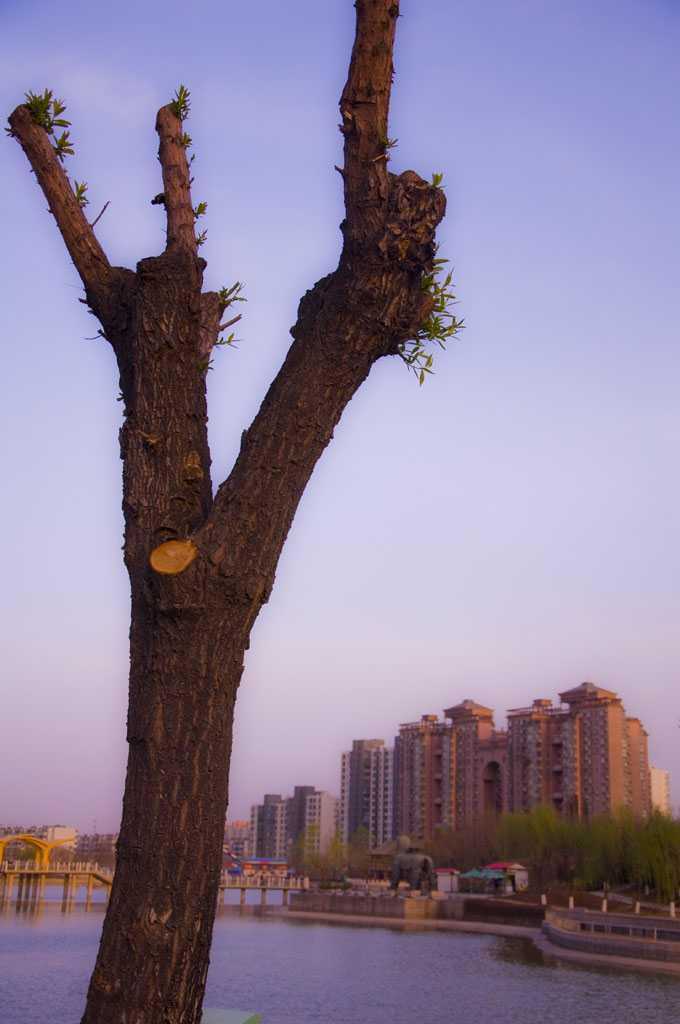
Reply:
x=440, y=325
x=45, y=109
x=181, y=104
x=80, y=190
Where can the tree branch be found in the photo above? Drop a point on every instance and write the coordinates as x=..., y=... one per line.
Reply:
x=364, y=108
x=176, y=183
x=367, y=308
x=88, y=256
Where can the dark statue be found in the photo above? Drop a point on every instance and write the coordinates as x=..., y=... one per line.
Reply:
x=413, y=866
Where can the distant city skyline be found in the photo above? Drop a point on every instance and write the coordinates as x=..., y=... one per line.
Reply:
x=378, y=806
x=510, y=528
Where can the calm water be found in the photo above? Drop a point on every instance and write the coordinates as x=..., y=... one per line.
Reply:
x=294, y=973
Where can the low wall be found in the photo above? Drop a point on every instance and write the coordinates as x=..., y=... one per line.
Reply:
x=500, y=911
x=363, y=905
x=452, y=908
x=627, y=935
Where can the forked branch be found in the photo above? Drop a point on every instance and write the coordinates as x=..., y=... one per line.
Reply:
x=88, y=256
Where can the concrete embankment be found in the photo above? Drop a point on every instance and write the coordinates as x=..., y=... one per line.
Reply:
x=466, y=913
x=630, y=937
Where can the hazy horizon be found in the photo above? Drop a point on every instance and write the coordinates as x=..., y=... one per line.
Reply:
x=505, y=532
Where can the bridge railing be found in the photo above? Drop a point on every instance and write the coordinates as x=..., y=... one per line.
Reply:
x=80, y=867
x=262, y=881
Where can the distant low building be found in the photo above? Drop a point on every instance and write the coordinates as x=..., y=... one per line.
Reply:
x=515, y=875
x=447, y=879
x=660, y=786
x=97, y=848
x=237, y=838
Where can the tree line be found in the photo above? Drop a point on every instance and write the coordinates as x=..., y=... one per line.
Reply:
x=603, y=851
x=607, y=850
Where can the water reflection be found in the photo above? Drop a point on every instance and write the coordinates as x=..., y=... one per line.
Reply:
x=299, y=972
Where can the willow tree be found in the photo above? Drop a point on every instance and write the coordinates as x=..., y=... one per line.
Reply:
x=202, y=562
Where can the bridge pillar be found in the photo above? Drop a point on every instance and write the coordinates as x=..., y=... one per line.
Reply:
x=243, y=897
x=10, y=888
x=263, y=897
x=285, y=897
x=34, y=888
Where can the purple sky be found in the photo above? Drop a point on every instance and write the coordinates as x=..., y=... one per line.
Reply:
x=505, y=532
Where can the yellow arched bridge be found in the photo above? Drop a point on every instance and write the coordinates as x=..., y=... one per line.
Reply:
x=24, y=881
x=41, y=847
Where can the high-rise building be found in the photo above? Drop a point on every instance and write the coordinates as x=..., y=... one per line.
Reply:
x=584, y=757
x=612, y=752
x=640, y=795
x=423, y=796
x=450, y=773
x=278, y=824
x=296, y=815
x=269, y=827
x=321, y=821
x=478, y=763
x=367, y=796
x=543, y=761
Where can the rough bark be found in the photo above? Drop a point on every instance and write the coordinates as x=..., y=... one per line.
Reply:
x=190, y=629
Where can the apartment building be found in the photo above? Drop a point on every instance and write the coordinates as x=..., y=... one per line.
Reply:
x=584, y=757
x=422, y=785
x=367, y=794
x=269, y=827
x=478, y=763
x=321, y=821
x=279, y=823
x=543, y=764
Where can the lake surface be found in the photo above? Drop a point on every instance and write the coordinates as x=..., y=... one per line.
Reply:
x=296, y=972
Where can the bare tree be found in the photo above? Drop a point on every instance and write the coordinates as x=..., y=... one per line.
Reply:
x=200, y=566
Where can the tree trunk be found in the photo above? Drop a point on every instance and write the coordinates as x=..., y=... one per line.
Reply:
x=201, y=567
